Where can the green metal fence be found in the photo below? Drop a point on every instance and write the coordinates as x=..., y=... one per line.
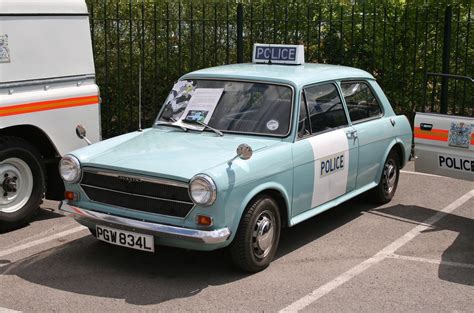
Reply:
x=397, y=43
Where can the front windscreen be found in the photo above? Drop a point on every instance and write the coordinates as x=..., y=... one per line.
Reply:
x=230, y=106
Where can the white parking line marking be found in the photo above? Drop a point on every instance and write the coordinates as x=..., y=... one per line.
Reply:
x=5, y=310
x=418, y=173
x=379, y=256
x=41, y=241
x=431, y=261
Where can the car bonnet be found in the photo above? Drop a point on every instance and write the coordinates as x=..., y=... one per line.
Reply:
x=171, y=153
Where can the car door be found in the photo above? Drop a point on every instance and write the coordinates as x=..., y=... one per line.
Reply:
x=444, y=145
x=373, y=130
x=325, y=152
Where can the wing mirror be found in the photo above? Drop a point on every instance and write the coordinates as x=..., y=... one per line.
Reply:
x=81, y=133
x=244, y=151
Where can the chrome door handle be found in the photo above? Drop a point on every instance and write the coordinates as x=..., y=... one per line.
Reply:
x=352, y=134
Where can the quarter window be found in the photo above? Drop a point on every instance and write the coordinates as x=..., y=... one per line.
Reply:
x=361, y=102
x=325, y=108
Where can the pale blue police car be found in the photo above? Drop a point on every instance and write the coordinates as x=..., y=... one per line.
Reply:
x=238, y=152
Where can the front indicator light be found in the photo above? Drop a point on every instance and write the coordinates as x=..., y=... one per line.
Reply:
x=71, y=196
x=204, y=220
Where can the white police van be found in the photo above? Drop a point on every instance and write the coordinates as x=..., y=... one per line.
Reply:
x=444, y=145
x=47, y=88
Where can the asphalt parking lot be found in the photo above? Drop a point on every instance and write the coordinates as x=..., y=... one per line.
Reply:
x=413, y=254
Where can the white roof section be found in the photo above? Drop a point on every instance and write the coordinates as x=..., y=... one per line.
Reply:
x=43, y=7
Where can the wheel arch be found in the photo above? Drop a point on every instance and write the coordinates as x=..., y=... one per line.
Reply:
x=35, y=136
x=43, y=143
x=396, y=145
x=273, y=190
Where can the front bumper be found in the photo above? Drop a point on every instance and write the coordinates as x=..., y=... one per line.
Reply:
x=158, y=230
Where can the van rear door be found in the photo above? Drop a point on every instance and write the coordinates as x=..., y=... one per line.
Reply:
x=444, y=145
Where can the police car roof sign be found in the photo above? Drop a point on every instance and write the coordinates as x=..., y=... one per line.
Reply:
x=278, y=54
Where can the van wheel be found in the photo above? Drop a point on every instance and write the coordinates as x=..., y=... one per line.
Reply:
x=257, y=237
x=388, y=183
x=22, y=182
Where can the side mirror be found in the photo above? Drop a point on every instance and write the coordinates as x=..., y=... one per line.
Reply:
x=244, y=151
x=81, y=133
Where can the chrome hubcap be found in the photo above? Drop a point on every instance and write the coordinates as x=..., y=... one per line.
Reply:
x=16, y=181
x=264, y=234
x=390, y=176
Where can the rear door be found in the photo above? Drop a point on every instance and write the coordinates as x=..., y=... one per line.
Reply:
x=374, y=131
x=444, y=145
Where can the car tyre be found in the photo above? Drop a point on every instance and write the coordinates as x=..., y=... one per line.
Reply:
x=388, y=183
x=257, y=237
x=22, y=182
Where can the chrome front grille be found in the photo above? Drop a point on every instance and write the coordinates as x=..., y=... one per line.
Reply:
x=140, y=193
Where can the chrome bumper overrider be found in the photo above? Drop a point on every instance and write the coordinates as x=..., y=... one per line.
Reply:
x=159, y=230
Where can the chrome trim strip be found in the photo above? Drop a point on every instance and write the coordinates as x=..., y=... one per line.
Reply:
x=30, y=82
x=132, y=194
x=149, y=179
x=158, y=230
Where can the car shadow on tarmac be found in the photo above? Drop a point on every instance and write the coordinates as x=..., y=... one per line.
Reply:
x=43, y=214
x=89, y=267
x=460, y=251
x=46, y=214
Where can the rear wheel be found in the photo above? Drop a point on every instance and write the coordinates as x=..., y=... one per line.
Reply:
x=257, y=237
x=388, y=183
x=22, y=182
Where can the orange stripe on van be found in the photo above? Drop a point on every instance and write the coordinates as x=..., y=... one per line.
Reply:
x=434, y=134
x=48, y=105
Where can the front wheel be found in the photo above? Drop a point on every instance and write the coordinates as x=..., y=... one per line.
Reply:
x=22, y=182
x=388, y=183
x=257, y=237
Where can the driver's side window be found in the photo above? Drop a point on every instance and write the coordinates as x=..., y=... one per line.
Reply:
x=325, y=108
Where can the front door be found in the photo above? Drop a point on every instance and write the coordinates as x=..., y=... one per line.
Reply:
x=325, y=155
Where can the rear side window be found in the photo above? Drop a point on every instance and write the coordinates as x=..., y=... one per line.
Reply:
x=325, y=108
x=360, y=100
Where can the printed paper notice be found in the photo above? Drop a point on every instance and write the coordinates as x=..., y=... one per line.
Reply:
x=201, y=106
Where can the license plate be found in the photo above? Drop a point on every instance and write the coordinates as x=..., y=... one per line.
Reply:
x=125, y=238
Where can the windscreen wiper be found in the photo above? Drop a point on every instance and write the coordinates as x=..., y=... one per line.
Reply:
x=172, y=124
x=204, y=125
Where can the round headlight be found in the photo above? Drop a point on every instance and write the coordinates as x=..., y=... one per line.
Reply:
x=70, y=169
x=202, y=190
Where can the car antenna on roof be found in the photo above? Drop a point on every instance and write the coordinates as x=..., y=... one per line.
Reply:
x=140, y=98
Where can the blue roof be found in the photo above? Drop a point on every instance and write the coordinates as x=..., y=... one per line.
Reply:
x=297, y=75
